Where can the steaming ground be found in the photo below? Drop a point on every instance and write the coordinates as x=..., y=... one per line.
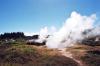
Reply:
x=71, y=31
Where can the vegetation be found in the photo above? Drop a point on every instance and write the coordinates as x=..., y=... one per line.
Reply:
x=13, y=35
x=30, y=55
x=15, y=51
x=88, y=55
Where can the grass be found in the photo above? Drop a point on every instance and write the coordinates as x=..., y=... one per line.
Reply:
x=30, y=55
x=20, y=54
x=88, y=55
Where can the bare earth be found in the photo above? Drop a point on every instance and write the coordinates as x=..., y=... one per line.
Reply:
x=69, y=55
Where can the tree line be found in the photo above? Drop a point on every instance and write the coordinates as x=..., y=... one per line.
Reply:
x=17, y=35
x=12, y=35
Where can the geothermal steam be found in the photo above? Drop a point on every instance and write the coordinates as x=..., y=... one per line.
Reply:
x=44, y=32
x=71, y=31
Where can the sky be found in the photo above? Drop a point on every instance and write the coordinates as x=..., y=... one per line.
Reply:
x=31, y=15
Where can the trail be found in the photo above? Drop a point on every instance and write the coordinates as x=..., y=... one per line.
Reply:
x=69, y=54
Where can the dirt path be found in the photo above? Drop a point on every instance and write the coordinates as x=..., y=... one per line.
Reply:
x=68, y=54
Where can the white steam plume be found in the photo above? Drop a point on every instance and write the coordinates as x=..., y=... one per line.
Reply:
x=44, y=32
x=30, y=33
x=94, y=32
x=71, y=31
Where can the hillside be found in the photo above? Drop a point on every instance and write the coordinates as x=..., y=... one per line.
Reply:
x=86, y=55
x=29, y=55
x=23, y=51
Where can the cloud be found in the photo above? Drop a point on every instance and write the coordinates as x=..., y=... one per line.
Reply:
x=71, y=31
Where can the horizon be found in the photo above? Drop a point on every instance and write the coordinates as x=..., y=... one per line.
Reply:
x=32, y=16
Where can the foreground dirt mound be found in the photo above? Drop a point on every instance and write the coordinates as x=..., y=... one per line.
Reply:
x=29, y=55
